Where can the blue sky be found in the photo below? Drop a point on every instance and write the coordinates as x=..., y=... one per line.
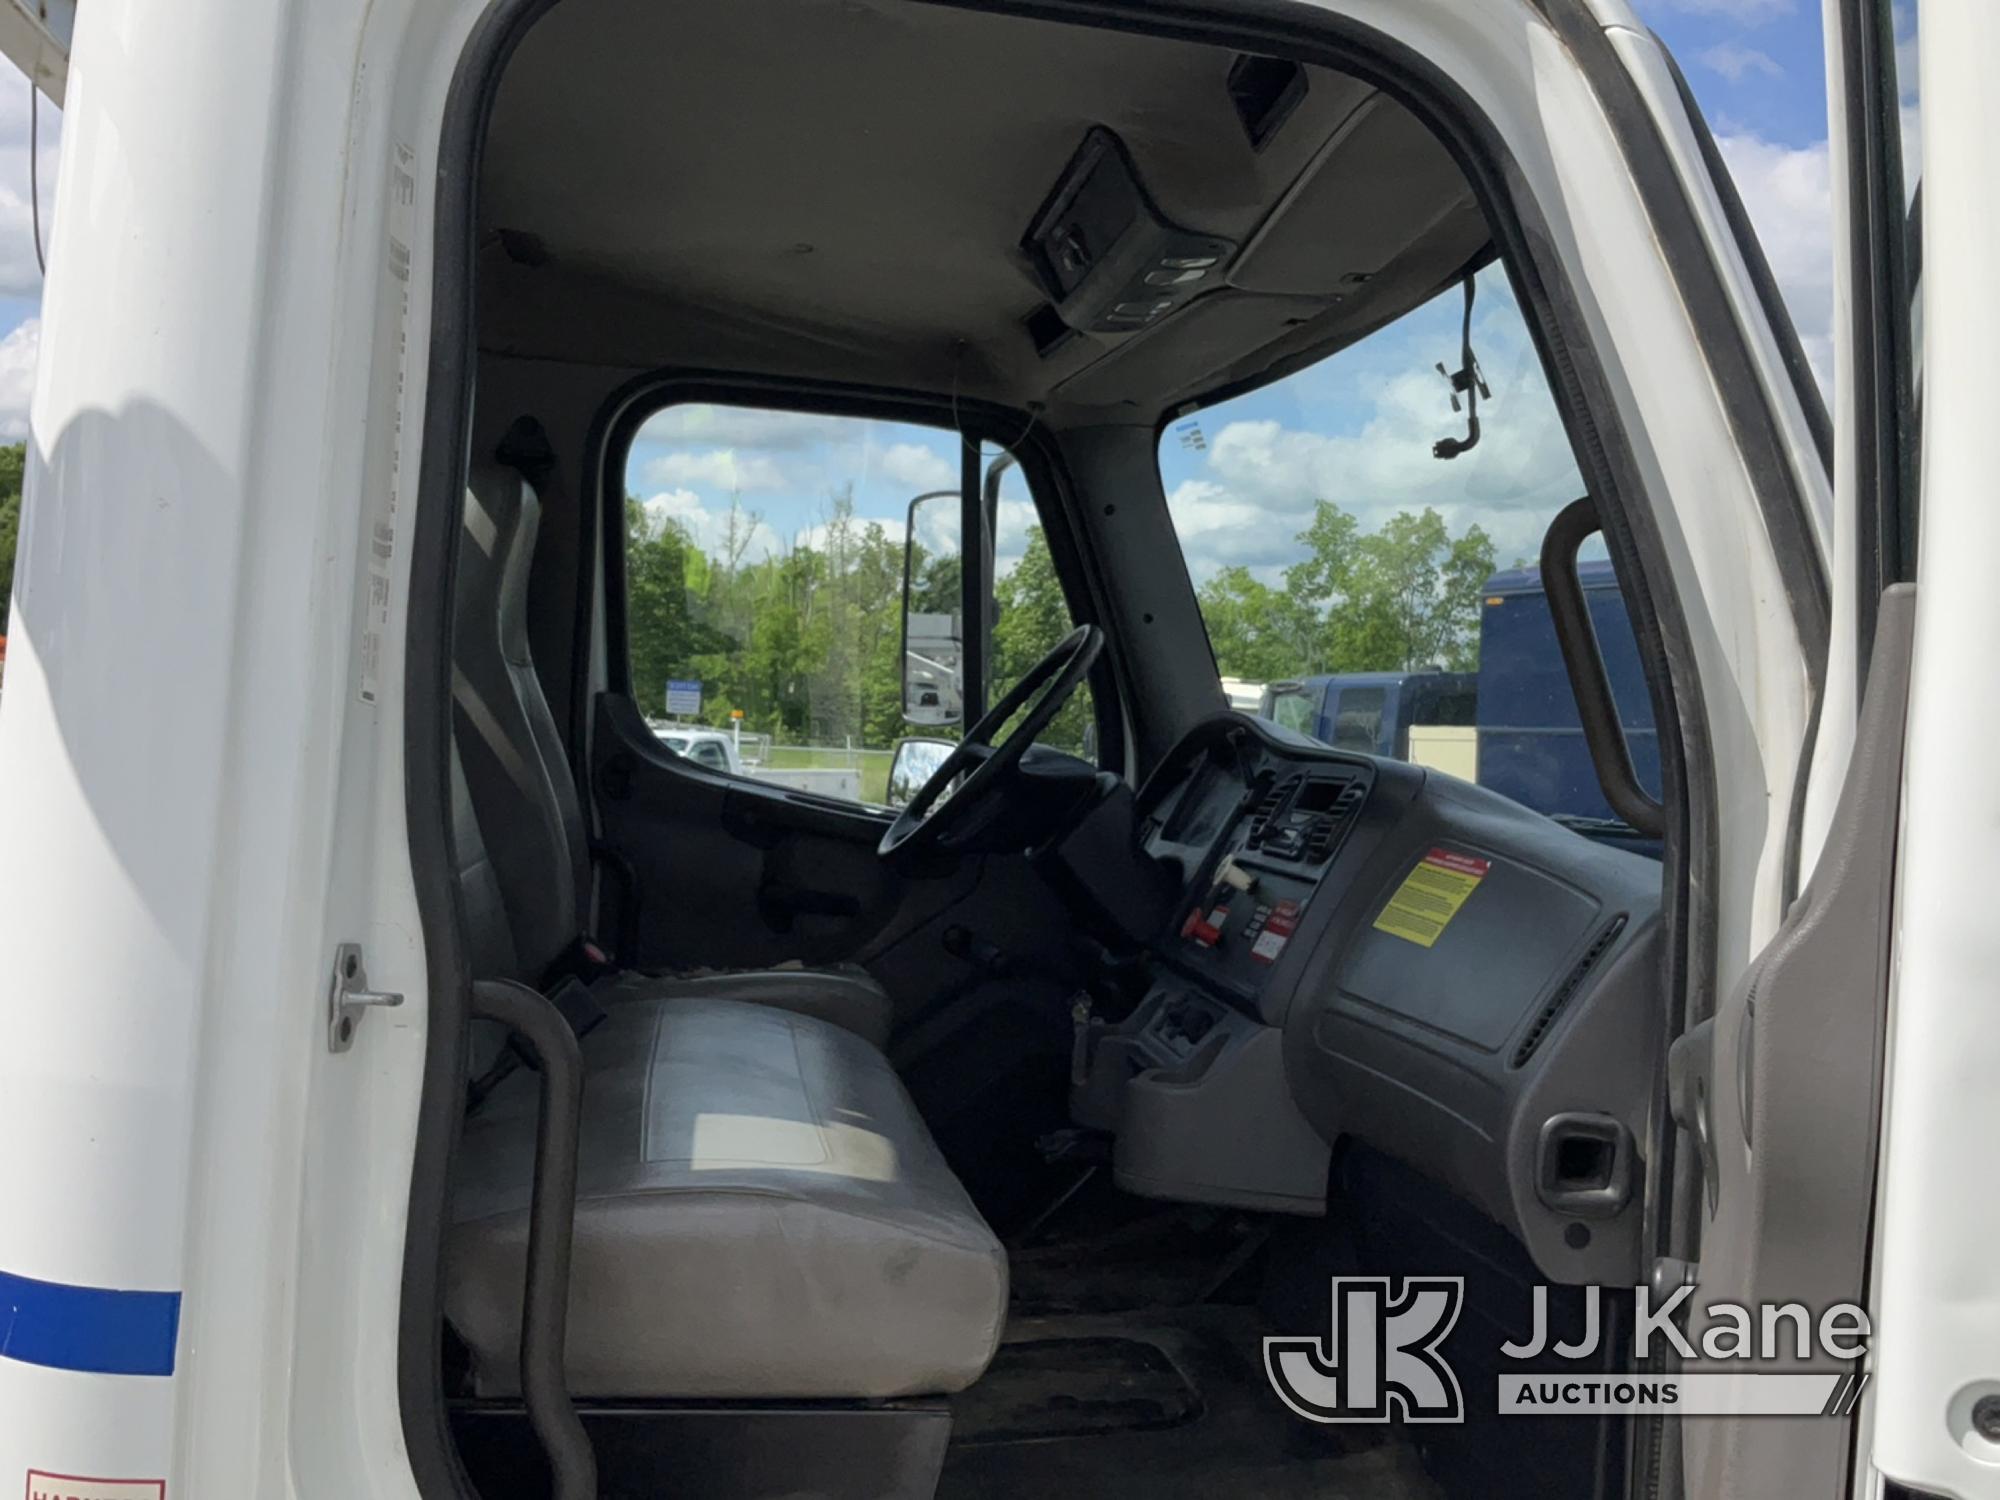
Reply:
x=1357, y=429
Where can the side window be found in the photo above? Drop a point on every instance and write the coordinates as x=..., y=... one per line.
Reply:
x=764, y=562
x=1295, y=707
x=763, y=574
x=1357, y=539
x=1358, y=723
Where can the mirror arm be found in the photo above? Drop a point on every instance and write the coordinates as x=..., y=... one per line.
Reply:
x=975, y=560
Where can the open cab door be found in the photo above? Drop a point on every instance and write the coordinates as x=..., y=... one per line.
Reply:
x=1934, y=1422
x=1836, y=1109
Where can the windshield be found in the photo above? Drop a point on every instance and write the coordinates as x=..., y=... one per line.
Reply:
x=1363, y=534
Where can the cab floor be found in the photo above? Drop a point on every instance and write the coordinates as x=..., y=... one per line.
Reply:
x=1158, y=1403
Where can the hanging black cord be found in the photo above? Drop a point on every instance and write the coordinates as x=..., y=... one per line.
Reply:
x=1467, y=383
x=34, y=171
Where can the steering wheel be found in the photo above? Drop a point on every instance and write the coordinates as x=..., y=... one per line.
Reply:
x=941, y=819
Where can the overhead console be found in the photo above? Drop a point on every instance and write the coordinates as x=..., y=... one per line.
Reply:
x=1366, y=949
x=1108, y=258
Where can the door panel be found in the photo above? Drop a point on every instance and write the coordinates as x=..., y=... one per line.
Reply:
x=1780, y=1093
x=731, y=874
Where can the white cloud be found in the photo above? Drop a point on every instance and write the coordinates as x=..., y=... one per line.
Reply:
x=1014, y=518
x=710, y=526
x=17, y=378
x=938, y=528
x=724, y=469
x=1788, y=193
x=1361, y=437
x=1737, y=63
x=19, y=275
x=918, y=467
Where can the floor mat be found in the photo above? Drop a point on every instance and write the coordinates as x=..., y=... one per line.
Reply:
x=1073, y=1387
x=1165, y=1258
x=1237, y=1440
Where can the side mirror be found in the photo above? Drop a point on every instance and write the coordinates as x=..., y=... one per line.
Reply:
x=915, y=762
x=933, y=614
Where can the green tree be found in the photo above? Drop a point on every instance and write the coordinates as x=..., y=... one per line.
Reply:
x=664, y=573
x=806, y=639
x=1033, y=618
x=13, y=462
x=1400, y=598
x=1259, y=633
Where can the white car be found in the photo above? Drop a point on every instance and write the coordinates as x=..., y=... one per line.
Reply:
x=705, y=747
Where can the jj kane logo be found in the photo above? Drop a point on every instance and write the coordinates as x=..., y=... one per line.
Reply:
x=1381, y=1360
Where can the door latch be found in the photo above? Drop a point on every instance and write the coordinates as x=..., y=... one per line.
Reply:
x=349, y=998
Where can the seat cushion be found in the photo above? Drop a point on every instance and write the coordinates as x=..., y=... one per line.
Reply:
x=760, y=1214
x=846, y=995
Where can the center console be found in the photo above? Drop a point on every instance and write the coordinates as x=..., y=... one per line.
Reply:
x=1192, y=1083
x=1195, y=1092
x=1239, y=933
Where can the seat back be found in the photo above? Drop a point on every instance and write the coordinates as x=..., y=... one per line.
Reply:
x=515, y=770
x=488, y=930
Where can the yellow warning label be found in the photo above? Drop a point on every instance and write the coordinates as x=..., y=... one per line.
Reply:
x=1431, y=895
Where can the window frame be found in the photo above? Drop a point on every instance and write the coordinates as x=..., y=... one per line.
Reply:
x=977, y=423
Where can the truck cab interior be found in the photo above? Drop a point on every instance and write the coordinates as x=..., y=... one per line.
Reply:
x=975, y=1146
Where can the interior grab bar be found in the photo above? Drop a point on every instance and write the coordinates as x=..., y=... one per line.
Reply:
x=1583, y=660
x=551, y=1227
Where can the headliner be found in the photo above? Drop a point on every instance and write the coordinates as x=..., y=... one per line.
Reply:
x=837, y=190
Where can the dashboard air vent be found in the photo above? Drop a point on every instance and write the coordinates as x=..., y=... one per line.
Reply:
x=1330, y=830
x=1572, y=982
x=1269, y=806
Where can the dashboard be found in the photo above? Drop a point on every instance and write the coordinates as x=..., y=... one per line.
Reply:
x=1365, y=949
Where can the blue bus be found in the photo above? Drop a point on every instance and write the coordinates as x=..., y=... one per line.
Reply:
x=1371, y=711
x=1531, y=745
x=1530, y=737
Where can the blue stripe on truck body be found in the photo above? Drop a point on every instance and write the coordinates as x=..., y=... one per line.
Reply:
x=93, y=1329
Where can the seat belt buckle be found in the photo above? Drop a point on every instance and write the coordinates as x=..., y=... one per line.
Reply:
x=585, y=959
x=579, y=1007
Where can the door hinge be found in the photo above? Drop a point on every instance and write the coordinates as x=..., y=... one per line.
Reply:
x=349, y=998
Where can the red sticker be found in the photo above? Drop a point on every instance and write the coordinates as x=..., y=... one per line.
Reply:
x=43, y=1486
x=1278, y=930
x=1460, y=864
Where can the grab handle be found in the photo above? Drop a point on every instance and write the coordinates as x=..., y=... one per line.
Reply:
x=551, y=1227
x=1583, y=659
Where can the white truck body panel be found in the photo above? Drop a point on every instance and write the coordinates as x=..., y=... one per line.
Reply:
x=1937, y=1270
